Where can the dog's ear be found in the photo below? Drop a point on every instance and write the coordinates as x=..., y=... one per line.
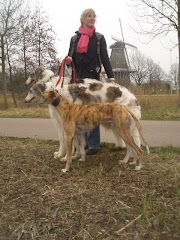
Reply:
x=42, y=87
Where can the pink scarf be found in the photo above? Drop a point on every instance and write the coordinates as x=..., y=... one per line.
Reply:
x=86, y=33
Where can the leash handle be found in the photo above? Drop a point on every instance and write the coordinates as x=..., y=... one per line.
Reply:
x=62, y=72
x=73, y=72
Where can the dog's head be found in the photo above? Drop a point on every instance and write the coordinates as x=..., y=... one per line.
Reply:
x=50, y=96
x=40, y=74
x=35, y=92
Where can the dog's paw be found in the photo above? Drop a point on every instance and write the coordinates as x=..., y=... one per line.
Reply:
x=82, y=159
x=122, y=162
x=132, y=163
x=64, y=170
x=58, y=155
x=137, y=168
x=75, y=157
x=63, y=159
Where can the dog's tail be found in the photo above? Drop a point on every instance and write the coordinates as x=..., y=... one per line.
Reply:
x=140, y=131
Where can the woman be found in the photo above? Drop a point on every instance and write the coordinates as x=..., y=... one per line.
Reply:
x=88, y=50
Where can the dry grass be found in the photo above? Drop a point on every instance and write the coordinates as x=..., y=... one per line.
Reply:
x=23, y=110
x=161, y=107
x=97, y=199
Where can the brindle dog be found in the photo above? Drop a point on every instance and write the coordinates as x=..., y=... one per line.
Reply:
x=78, y=119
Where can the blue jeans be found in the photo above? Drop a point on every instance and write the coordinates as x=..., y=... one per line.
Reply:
x=93, y=138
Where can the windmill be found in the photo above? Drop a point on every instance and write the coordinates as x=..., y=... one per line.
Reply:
x=120, y=60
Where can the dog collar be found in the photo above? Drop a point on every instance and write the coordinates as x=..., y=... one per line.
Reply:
x=56, y=101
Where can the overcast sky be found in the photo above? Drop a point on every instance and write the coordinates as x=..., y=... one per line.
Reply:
x=65, y=19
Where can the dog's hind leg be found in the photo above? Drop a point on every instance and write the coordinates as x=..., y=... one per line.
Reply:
x=77, y=148
x=128, y=155
x=119, y=140
x=135, y=133
x=116, y=132
x=125, y=133
x=80, y=147
x=133, y=151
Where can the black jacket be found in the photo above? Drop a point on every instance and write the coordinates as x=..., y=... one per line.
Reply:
x=88, y=64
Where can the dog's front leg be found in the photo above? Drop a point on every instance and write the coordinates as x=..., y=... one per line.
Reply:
x=69, y=153
x=65, y=157
x=61, y=134
x=62, y=144
x=82, y=147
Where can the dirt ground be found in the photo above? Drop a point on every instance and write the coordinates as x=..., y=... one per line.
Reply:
x=97, y=199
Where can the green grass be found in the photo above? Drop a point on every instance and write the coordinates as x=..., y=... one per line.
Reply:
x=162, y=112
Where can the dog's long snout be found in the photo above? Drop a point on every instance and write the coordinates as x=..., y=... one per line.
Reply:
x=26, y=100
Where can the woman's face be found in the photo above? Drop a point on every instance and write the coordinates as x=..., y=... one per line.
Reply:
x=89, y=20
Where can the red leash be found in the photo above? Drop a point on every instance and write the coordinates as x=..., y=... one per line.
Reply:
x=62, y=71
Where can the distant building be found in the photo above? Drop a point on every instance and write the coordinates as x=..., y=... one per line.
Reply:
x=119, y=63
x=119, y=59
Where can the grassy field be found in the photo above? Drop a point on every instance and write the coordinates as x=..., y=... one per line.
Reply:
x=97, y=199
x=161, y=107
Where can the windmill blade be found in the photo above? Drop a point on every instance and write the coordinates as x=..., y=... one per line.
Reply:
x=124, y=43
x=121, y=29
x=130, y=45
x=116, y=38
x=119, y=40
x=123, y=35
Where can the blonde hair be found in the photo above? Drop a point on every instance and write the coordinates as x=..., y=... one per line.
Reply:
x=86, y=12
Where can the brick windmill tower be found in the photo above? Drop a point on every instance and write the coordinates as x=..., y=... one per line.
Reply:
x=120, y=61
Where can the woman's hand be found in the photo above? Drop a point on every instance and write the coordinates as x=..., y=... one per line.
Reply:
x=68, y=60
x=111, y=80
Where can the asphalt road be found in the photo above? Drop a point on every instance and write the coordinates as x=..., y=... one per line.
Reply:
x=157, y=133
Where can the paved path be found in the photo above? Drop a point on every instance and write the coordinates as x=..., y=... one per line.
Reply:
x=157, y=133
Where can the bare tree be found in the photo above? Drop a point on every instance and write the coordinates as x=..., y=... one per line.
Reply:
x=173, y=75
x=10, y=17
x=26, y=45
x=138, y=64
x=27, y=40
x=13, y=47
x=43, y=45
x=154, y=73
x=10, y=76
x=163, y=16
